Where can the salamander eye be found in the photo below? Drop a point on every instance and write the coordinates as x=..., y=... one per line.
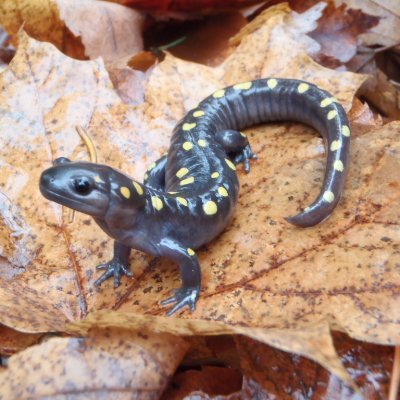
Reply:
x=82, y=185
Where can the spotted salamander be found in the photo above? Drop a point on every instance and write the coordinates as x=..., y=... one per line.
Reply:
x=189, y=195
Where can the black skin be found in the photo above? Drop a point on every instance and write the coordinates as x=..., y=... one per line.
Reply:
x=188, y=196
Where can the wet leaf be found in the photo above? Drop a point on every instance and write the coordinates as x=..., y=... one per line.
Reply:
x=109, y=363
x=115, y=35
x=262, y=278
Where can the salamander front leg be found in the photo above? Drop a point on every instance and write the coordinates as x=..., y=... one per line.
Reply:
x=189, y=266
x=237, y=146
x=117, y=266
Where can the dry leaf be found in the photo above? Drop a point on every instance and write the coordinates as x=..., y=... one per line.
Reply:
x=206, y=382
x=12, y=341
x=205, y=6
x=285, y=376
x=205, y=41
x=271, y=281
x=107, y=364
x=387, y=32
x=115, y=35
x=338, y=31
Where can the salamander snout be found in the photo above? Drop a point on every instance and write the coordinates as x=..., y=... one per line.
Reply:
x=79, y=185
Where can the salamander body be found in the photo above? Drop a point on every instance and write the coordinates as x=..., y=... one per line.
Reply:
x=188, y=196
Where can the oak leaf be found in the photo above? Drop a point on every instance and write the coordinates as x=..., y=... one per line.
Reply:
x=262, y=277
x=80, y=28
x=108, y=363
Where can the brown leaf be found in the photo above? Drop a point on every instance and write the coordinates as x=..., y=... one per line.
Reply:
x=338, y=31
x=285, y=376
x=110, y=363
x=115, y=36
x=262, y=278
x=187, y=6
x=12, y=341
x=205, y=41
x=211, y=381
x=387, y=32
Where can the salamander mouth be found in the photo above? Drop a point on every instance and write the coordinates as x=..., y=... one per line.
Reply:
x=69, y=202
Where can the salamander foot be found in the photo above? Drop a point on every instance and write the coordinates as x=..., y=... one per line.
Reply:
x=113, y=268
x=244, y=157
x=185, y=296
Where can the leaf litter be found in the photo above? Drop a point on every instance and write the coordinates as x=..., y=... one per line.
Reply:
x=281, y=285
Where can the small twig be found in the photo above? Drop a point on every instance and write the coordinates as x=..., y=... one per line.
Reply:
x=88, y=142
x=373, y=52
x=158, y=50
x=92, y=156
x=395, y=381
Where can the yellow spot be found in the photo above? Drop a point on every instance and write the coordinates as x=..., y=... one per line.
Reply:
x=138, y=188
x=222, y=191
x=335, y=145
x=182, y=172
x=272, y=83
x=157, y=203
x=345, y=130
x=151, y=166
x=97, y=179
x=328, y=196
x=332, y=114
x=303, y=87
x=187, y=181
x=338, y=165
x=182, y=201
x=146, y=175
x=231, y=165
x=219, y=93
x=215, y=175
x=327, y=101
x=187, y=127
x=243, y=85
x=125, y=192
x=242, y=134
x=190, y=252
x=187, y=146
x=172, y=192
x=202, y=143
x=210, y=208
x=198, y=113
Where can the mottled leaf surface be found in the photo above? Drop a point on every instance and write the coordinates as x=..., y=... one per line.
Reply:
x=106, y=364
x=262, y=277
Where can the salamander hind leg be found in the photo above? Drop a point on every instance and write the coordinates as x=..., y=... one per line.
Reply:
x=237, y=146
x=189, y=267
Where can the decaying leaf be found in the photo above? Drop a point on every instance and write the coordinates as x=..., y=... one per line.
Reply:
x=107, y=364
x=285, y=376
x=107, y=30
x=339, y=29
x=386, y=33
x=12, y=341
x=262, y=278
x=205, y=6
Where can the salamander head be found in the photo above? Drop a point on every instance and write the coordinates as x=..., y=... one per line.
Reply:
x=89, y=188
